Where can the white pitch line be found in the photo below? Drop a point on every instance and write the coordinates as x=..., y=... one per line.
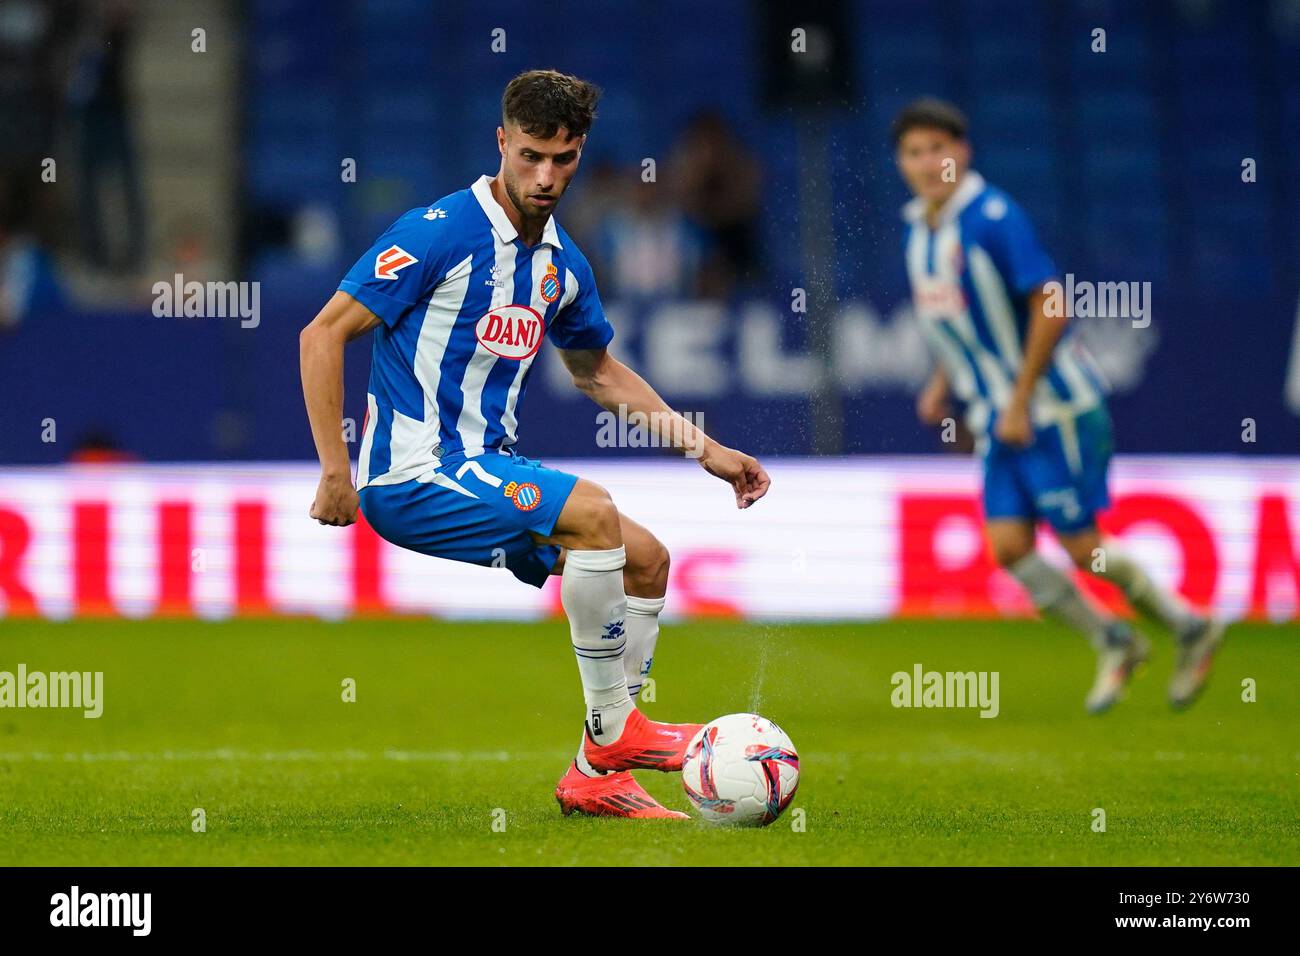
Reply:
x=272, y=756
x=227, y=754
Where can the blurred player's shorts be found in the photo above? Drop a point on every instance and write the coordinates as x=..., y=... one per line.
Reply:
x=1060, y=478
x=478, y=510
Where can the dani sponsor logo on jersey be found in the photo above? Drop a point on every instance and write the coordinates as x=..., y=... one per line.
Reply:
x=938, y=298
x=511, y=331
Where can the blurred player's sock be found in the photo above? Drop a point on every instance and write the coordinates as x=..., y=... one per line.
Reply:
x=642, y=634
x=1055, y=595
x=591, y=590
x=1145, y=595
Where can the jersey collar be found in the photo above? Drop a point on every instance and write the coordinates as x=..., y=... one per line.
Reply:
x=482, y=191
x=971, y=185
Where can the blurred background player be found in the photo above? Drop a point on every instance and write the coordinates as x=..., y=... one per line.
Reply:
x=1033, y=398
x=458, y=295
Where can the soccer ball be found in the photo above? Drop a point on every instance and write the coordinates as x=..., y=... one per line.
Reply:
x=741, y=769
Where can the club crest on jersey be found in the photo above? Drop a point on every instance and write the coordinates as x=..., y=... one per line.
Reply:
x=526, y=496
x=392, y=261
x=549, y=289
x=511, y=331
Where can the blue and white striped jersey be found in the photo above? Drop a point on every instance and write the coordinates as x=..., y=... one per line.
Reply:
x=971, y=276
x=464, y=305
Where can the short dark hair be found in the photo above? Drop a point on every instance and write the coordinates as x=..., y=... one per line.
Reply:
x=542, y=102
x=929, y=113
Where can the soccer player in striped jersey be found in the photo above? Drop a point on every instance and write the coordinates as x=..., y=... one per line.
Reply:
x=459, y=296
x=1033, y=398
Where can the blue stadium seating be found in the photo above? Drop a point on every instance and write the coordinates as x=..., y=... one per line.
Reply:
x=1109, y=152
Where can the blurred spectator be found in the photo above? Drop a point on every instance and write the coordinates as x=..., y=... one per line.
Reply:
x=600, y=185
x=27, y=274
x=98, y=447
x=99, y=104
x=34, y=38
x=718, y=181
x=27, y=278
x=646, y=246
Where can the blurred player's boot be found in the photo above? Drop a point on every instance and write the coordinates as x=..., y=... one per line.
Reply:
x=1123, y=651
x=1196, y=647
x=645, y=744
x=611, y=795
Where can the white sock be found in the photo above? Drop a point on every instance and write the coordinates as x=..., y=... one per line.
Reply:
x=642, y=634
x=591, y=590
x=1056, y=596
x=584, y=766
x=1144, y=594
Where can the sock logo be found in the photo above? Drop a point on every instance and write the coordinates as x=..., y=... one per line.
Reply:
x=613, y=631
x=593, y=725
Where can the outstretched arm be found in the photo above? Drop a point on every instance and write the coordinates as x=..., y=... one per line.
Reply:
x=615, y=387
x=320, y=349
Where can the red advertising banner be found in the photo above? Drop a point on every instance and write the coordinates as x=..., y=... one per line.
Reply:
x=854, y=538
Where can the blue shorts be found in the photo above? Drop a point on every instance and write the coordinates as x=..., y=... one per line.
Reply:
x=1060, y=478
x=478, y=510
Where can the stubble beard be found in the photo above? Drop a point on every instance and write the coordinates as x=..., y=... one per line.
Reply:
x=537, y=221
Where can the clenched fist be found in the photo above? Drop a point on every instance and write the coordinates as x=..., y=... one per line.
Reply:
x=336, y=501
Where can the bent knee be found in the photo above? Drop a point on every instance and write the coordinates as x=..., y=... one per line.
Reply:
x=1009, y=553
x=596, y=519
x=1009, y=541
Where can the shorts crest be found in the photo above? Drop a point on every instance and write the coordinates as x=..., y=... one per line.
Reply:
x=526, y=495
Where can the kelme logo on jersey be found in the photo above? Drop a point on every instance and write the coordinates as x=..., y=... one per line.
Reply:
x=526, y=496
x=511, y=331
x=392, y=261
x=549, y=288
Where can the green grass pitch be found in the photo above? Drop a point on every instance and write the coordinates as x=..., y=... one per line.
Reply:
x=456, y=721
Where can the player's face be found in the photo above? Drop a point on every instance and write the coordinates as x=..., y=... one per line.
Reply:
x=536, y=171
x=932, y=162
